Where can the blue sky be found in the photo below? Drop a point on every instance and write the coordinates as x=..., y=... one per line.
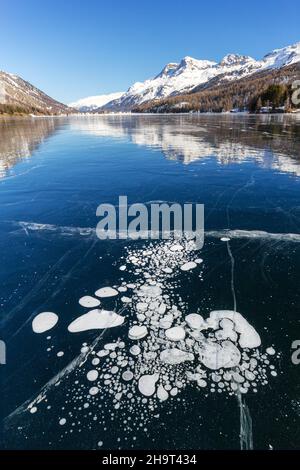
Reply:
x=76, y=48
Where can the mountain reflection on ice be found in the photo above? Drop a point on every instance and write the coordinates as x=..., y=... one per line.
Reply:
x=187, y=377
x=272, y=141
x=21, y=137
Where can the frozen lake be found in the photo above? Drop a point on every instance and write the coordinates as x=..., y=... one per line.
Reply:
x=149, y=375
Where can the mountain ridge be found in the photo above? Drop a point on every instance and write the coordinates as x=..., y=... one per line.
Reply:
x=18, y=95
x=241, y=94
x=189, y=73
x=183, y=78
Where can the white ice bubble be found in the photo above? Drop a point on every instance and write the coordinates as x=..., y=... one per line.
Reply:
x=96, y=319
x=137, y=332
x=162, y=394
x=62, y=421
x=147, y=384
x=249, y=375
x=194, y=321
x=271, y=351
x=93, y=390
x=150, y=291
x=188, y=266
x=176, y=333
x=127, y=375
x=135, y=350
x=176, y=248
x=167, y=270
x=110, y=346
x=166, y=321
x=141, y=306
x=249, y=338
x=89, y=302
x=238, y=378
x=175, y=356
x=161, y=309
x=131, y=286
x=215, y=356
x=92, y=375
x=106, y=292
x=44, y=321
x=227, y=330
x=201, y=383
x=122, y=289
x=102, y=353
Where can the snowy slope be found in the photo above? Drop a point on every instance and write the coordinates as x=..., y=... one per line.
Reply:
x=281, y=57
x=177, y=78
x=16, y=91
x=92, y=102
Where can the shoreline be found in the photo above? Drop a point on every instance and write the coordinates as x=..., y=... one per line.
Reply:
x=241, y=113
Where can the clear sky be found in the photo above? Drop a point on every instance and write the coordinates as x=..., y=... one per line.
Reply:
x=76, y=48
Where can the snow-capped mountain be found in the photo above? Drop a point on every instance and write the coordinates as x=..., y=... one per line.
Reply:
x=93, y=102
x=183, y=77
x=17, y=92
x=281, y=57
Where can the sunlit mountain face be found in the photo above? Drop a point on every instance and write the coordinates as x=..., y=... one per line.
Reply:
x=190, y=75
x=23, y=97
